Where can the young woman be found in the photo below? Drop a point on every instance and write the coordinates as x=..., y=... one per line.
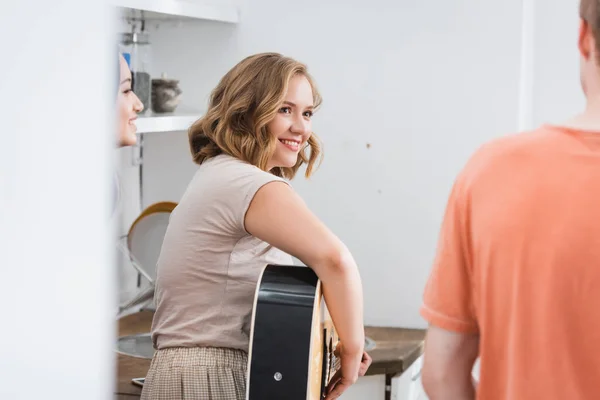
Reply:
x=238, y=214
x=128, y=106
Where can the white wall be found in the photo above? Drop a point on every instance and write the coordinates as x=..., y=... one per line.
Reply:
x=57, y=82
x=423, y=87
x=557, y=93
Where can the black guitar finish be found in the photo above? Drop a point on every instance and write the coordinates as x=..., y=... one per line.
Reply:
x=281, y=339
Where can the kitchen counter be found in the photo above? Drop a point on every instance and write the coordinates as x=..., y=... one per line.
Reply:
x=395, y=351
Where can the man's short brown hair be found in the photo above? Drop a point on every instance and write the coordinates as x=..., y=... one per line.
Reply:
x=589, y=11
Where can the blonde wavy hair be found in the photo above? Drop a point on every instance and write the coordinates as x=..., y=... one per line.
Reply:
x=246, y=99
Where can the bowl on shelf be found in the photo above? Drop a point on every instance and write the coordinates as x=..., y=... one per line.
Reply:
x=166, y=95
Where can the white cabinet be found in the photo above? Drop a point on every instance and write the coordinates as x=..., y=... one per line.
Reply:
x=368, y=387
x=198, y=9
x=408, y=385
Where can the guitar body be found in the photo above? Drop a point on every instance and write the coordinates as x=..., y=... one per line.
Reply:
x=292, y=337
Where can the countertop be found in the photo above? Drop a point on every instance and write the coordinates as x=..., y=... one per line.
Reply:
x=396, y=349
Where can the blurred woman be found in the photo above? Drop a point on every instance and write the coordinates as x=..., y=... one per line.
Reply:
x=128, y=106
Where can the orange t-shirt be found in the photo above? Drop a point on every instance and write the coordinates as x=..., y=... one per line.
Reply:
x=518, y=263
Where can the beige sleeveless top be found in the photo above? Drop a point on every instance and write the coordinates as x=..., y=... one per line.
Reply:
x=209, y=264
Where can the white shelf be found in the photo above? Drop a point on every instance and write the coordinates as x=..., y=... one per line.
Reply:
x=197, y=9
x=150, y=122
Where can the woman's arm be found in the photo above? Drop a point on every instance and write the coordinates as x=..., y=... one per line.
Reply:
x=280, y=217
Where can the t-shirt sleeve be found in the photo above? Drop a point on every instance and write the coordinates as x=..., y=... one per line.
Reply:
x=236, y=194
x=448, y=296
x=250, y=189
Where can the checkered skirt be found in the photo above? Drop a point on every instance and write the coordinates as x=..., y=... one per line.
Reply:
x=196, y=373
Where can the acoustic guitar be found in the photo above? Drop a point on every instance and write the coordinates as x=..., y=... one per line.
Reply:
x=292, y=338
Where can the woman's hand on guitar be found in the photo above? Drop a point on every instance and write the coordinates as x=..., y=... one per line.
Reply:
x=348, y=373
x=365, y=363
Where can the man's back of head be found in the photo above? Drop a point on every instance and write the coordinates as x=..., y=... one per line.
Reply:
x=589, y=49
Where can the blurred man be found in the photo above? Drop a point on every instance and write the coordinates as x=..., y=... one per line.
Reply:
x=516, y=280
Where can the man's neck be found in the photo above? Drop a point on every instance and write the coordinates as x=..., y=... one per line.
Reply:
x=589, y=120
